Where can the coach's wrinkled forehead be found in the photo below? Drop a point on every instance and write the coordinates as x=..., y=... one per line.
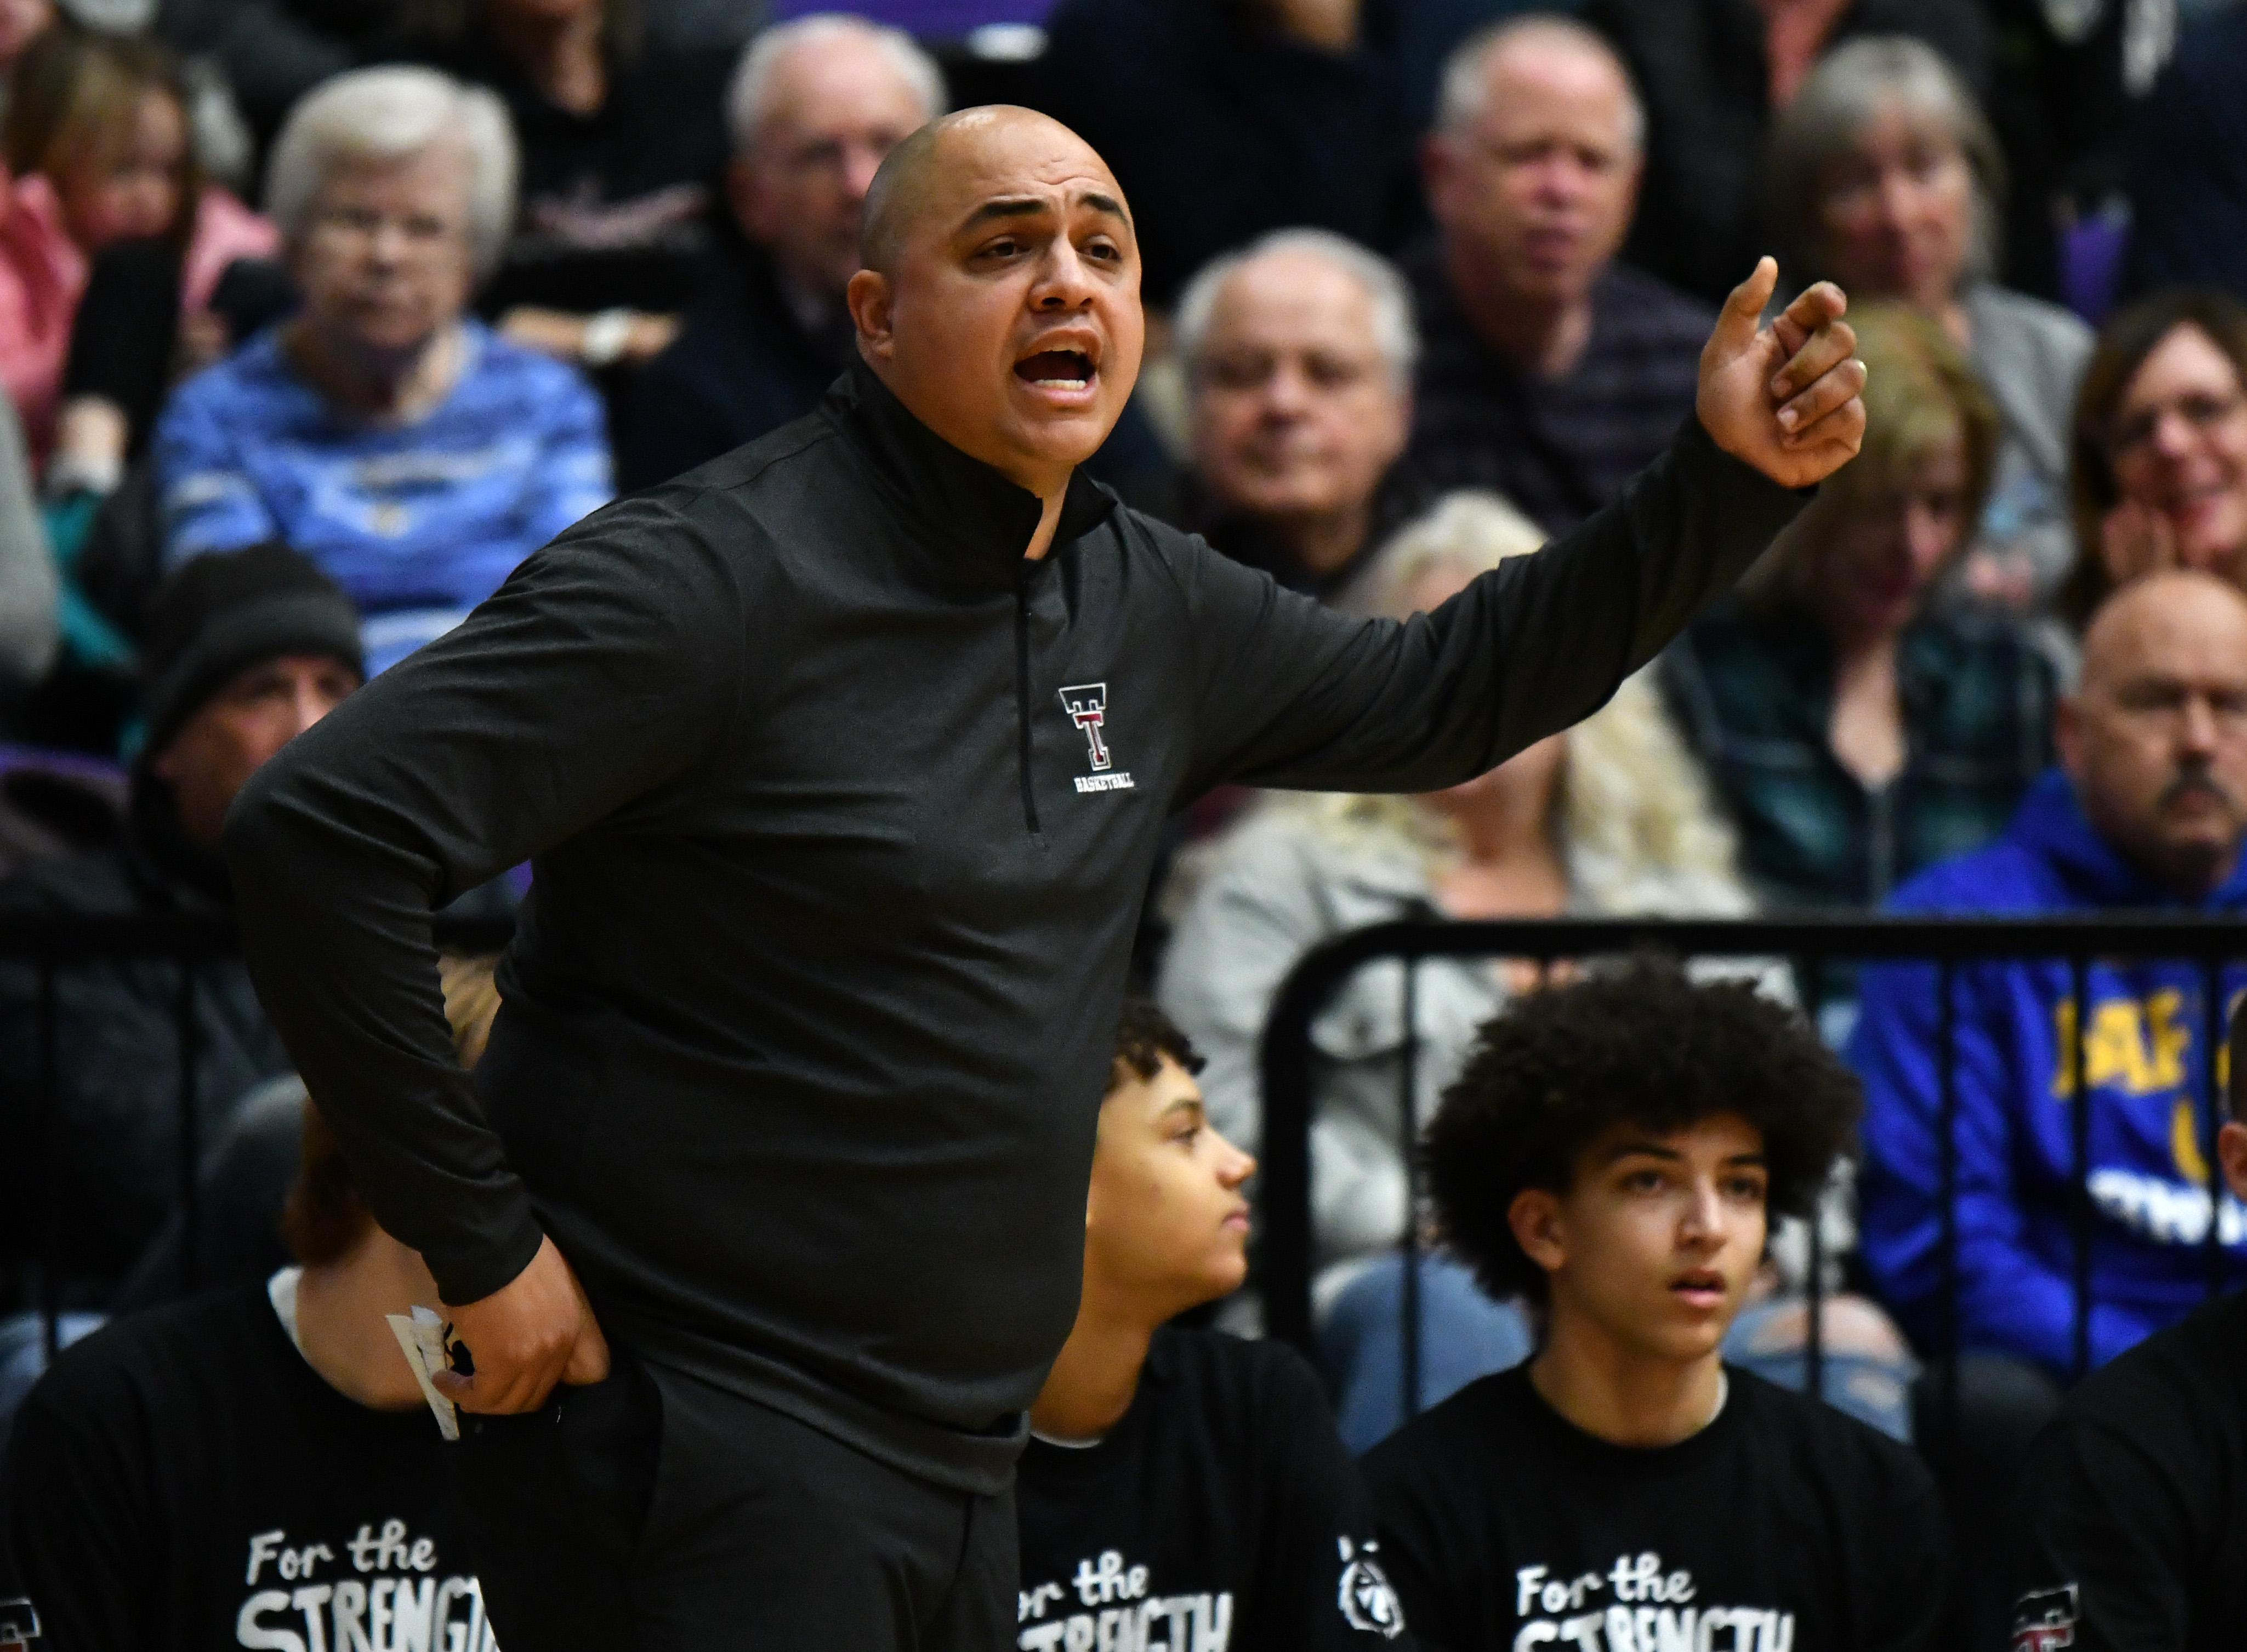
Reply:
x=980, y=165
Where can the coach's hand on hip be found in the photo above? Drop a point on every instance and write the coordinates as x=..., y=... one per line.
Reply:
x=533, y=1332
x=1784, y=398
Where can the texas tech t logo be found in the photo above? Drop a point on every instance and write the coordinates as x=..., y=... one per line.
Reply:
x=2045, y=1621
x=1087, y=705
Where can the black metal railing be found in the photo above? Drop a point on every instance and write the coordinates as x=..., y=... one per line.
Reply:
x=49, y=944
x=1813, y=946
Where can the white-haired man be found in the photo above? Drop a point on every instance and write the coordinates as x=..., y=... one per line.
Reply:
x=815, y=105
x=1550, y=375
x=1299, y=352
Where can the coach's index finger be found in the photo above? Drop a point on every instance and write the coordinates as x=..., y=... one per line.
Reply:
x=1812, y=309
x=1816, y=313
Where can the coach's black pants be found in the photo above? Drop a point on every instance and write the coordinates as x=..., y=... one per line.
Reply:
x=654, y=1514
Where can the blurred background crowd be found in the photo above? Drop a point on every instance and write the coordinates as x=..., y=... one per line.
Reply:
x=317, y=318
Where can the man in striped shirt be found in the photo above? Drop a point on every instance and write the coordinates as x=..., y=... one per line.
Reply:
x=1550, y=375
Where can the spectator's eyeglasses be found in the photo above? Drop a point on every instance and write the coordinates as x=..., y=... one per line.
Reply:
x=834, y=156
x=2172, y=701
x=2202, y=412
x=1322, y=370
x=1856, y=191
x=422, y=232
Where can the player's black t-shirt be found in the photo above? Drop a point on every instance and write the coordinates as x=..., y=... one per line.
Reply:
x=2129, y=1529
x=182, y=1479
x=1783, y=1527
x=1222, y=1514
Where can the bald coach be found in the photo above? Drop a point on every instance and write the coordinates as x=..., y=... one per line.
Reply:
x=842, y=762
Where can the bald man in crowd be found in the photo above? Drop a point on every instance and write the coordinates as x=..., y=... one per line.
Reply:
x=2147, y=811
x=841, y=766
x=1551, y=374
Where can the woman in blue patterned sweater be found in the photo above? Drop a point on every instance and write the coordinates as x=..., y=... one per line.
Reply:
x=415, y=455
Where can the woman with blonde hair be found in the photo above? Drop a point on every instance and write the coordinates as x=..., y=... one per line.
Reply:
x=1611, y=817
x=1855, y=731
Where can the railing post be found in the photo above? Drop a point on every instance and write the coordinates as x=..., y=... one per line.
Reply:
x=2213, y=1045
x=1408, y=1113
x=1811, y=968
x=1283, y=1191
x=191, y=1193
x=2079, y=1210
x=1947, y=1213
x=51, y=1189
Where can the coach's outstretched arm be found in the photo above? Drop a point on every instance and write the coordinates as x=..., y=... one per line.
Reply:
x=1291, y=694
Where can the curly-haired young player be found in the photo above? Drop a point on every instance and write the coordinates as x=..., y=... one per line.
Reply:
x=1184, y=1489
x=1613, y=1152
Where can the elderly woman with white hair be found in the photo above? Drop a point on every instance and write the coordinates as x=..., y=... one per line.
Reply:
x=414, y=454
x=1611, y=818
x=1887, y=178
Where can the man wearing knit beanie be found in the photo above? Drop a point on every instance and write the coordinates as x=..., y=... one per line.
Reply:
x=245, y=650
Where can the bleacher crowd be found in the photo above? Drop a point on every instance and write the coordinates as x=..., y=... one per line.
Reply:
x=1429, y=281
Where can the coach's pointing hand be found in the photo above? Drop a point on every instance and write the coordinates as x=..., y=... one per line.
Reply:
x=533, y=1332
x=1784, y=398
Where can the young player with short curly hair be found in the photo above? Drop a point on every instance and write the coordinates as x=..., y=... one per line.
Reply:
x=1615, y=1151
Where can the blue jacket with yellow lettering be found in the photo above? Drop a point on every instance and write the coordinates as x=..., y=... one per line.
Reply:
x=2144, y=1051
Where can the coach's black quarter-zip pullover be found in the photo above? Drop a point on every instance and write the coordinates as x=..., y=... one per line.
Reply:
x=841, y=812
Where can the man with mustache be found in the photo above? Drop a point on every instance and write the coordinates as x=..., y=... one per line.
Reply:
x=841, y=766
x=2147, y=811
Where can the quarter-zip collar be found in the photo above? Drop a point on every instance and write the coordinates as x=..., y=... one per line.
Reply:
x=961, y=509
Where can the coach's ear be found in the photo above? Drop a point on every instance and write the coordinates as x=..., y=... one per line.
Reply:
x=1534, y=1216
x=872, y=302
x=2231, y=1150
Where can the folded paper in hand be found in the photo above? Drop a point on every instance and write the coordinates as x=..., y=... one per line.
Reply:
x=422, y=1337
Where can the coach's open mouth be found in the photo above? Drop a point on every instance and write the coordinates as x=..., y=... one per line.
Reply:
x=1703, y=1286
x=1056, y=369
